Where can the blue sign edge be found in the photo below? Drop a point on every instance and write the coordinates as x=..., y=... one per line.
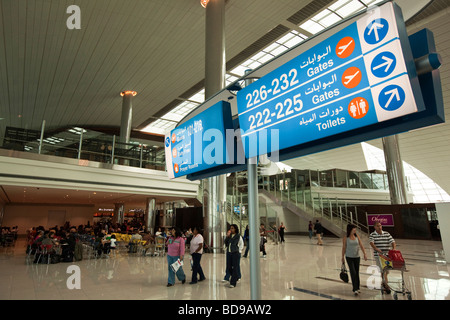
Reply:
x=405, y=43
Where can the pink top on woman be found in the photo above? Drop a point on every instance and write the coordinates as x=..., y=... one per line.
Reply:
x=175, y=247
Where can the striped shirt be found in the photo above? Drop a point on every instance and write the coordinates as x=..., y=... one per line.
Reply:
x=381, y=241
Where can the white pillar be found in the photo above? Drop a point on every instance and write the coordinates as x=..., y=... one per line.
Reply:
x=443, y=214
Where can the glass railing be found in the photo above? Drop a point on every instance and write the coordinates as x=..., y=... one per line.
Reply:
x=302, y=188
x=83, y=144
x=337, y=211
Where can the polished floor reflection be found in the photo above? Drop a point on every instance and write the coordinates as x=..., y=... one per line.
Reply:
x=295, y=270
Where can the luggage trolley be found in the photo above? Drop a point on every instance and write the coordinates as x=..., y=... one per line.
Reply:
x=390, y=265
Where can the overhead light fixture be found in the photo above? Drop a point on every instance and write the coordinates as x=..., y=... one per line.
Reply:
x=204, y=3
x=134, y=93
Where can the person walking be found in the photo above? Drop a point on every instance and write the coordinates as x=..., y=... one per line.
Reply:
x=310, y=229
x=246, y=240
x=196, y=248
x=175, y=250
x=281, y=230
x=318, y=230
x=232, y=245
x=381, y=241
x=263, y=235
x=350, y=252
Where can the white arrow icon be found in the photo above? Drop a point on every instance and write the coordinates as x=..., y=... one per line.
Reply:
x=374, y=27
x=393, y=92
x=388, y=64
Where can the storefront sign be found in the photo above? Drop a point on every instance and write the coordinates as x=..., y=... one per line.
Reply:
x=386, y=220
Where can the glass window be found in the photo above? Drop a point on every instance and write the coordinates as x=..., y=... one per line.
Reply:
x=353, y=180
x=366, y=180
x=378, y=180
x=314, y=178
x=340, y=178
x=326, y=178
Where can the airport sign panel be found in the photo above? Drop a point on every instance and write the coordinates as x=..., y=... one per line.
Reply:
x=358, y=77
x=199, y=144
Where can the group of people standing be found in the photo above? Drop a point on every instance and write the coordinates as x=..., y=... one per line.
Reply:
x=234, y=244
x=380, y=241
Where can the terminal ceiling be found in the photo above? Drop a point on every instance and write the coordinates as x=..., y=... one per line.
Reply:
x=74, y=77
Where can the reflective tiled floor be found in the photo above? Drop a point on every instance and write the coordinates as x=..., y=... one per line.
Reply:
x=295, y=270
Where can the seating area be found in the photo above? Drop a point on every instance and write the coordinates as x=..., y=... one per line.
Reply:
x=69, y=244
x=8, y=236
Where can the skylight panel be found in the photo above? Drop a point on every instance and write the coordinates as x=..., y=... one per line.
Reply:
x=198, y=97
x=159, y=126
x=371, y=2
x=271, y=47
x=258, y=55
x=172, y=116
x=293, y=42
x=280, y=49
x=286, y=38
x=254, y=65
x=230, y=79
x=265, y=58
x=321, y=15
x=350, y=8
x=339, y=4
x=330, y=19
x=311, y=26
x=239, y=70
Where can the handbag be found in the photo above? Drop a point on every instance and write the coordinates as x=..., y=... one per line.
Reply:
x=343, y=275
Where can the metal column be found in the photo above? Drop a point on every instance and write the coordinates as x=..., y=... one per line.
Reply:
x=215, y=69
x=119, y=209
x=126, y=120
x=253, y=223
x=127, y=116
x=150, y=210
x=394, y=170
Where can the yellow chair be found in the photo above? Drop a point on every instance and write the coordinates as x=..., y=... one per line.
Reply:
x=160, y=246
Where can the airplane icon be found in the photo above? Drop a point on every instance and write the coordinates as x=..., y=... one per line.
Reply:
x=344, y=47
x=350, y=77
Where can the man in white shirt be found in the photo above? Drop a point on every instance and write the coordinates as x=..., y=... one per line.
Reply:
x=196, y=247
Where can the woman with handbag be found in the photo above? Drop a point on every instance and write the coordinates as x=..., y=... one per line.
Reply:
x=350, y=252
x=175, y=250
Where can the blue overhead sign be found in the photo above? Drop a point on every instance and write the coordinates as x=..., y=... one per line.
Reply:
x=362, y=75
x=205, y=146
x=199, y=144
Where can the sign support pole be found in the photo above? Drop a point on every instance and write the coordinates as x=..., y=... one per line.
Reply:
x=394, y=169
x=215, y=70
x=253, y=221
